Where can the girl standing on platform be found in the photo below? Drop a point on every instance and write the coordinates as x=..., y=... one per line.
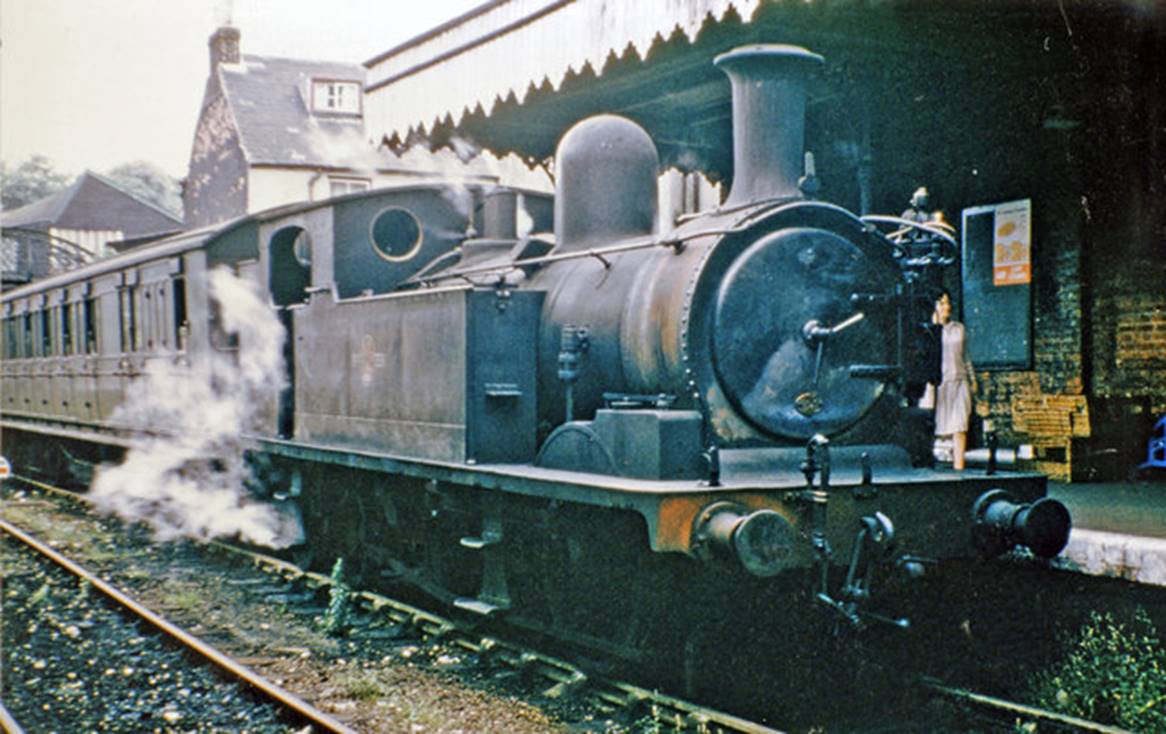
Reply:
x=953, y=396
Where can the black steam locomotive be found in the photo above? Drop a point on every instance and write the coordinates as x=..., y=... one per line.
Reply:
x=592, y=422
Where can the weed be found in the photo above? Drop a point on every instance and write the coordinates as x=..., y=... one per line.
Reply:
x=39, y=596
x=366, y=686
x=1111, y=673
x=335, y=619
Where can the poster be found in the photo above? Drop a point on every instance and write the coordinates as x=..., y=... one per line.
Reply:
x=1012, y=244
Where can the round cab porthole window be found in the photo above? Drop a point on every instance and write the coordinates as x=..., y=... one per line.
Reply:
x=395, y=234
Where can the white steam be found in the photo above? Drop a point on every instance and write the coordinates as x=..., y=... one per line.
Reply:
x=524, y=222
x=184, y=476
x=346, y=148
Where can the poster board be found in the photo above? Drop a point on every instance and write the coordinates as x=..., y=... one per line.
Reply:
x=997, y=284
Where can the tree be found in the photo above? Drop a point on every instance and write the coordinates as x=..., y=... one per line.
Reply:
x=148, y=181
x=32, y=180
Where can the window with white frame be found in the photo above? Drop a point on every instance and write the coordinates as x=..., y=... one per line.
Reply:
x=340, y=186
x=336, y=96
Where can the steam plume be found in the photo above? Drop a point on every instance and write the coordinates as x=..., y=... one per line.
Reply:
x=184, y=475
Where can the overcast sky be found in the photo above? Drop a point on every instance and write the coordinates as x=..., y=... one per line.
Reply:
x=95, y=83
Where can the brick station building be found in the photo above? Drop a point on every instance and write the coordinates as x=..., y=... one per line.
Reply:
x=1058, y=106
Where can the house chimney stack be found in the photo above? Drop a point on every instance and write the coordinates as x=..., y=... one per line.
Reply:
x=224, y=45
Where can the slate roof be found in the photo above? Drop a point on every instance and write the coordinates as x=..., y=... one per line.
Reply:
x=93, y=202
x=269, y=98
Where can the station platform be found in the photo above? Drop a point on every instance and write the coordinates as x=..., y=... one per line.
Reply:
x=1119, y=529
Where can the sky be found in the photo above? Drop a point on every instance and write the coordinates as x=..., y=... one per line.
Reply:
x=92, y=84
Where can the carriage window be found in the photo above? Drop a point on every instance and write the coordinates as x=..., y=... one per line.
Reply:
x=127, y=307
x=89, y=325
x=26, y=341
x=302, y=248
x=181, y=327
x=10, y=340
x=66, y=312
x=46, y=332
x=290, y=265
x=395, y=234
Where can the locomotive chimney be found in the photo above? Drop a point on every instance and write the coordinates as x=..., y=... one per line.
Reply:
x=769, y=119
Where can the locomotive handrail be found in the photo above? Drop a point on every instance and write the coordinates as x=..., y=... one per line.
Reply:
x=939, y=229
x=675, y=242
x=670, y=240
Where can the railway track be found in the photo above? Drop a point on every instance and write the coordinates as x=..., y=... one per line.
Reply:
x=374, y=614
x=294, y=709
x=377, y=617
x=610, y=698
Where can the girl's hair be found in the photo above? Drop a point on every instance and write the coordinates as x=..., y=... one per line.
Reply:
x=940, y=292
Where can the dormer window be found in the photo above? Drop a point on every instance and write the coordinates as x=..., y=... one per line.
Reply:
x=341, y=186
x=336, y=96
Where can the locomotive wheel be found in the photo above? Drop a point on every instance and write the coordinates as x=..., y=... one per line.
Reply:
x=586, y=576
x=333, y=515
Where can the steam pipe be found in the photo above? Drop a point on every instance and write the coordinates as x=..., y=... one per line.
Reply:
x=769, y=119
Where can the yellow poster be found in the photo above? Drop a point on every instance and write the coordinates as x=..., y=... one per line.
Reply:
x=1012, y=244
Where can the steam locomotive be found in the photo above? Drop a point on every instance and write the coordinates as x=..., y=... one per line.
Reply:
x=591, y=422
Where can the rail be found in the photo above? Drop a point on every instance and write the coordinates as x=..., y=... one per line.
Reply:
x=1018, y=709
x=8, y=724
x=284, y=698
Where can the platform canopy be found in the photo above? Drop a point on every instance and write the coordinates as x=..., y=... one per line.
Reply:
x=513, y=75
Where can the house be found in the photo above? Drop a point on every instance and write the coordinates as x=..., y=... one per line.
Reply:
x=274, y=131
x=81, y=223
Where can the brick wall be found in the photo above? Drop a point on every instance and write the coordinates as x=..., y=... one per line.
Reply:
x=1046, y=406
x=1099, y=356
x=1098, y=377
x=1130, y=335
x=1100, y=373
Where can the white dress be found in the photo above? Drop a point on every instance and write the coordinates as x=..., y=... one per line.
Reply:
x=953, y=397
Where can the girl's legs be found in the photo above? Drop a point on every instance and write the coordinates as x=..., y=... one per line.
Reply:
x=959, y=444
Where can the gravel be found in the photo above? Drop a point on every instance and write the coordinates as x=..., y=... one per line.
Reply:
x=393, y=686
x=75, y=664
